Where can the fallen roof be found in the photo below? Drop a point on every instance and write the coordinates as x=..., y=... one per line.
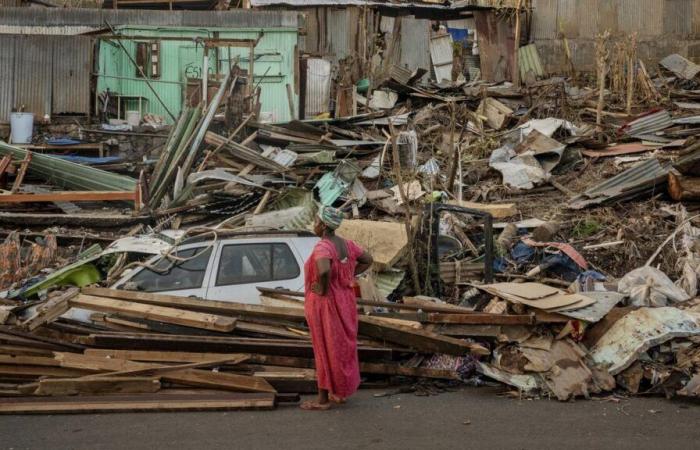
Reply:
x=448, y=5
x=70, y=175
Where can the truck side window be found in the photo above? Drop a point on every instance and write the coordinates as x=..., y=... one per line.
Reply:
x=256, y=263
x=169, y=276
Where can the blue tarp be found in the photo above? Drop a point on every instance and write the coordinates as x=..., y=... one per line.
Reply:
x=89, y=160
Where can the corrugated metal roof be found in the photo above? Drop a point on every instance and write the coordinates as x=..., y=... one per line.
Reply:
x=7, y=76
x=84, y=17
x=33, y=74
x=71, y=74
x=459, y=4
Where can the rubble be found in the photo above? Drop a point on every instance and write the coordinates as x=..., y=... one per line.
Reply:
x=586, y=283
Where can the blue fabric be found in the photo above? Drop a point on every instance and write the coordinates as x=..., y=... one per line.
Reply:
x=561, y=265
x=62, y=141
x=522, y=253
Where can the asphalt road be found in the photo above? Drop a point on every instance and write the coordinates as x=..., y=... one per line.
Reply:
x=469, y=418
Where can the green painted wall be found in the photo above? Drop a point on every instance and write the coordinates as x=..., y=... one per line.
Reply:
x=274, y=66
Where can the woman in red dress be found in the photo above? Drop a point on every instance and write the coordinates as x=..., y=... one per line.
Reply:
x=331, y=311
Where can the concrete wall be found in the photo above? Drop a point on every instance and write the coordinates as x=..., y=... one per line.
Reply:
x=662, y=26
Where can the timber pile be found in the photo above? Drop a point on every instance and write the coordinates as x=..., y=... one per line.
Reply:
x=145, y=352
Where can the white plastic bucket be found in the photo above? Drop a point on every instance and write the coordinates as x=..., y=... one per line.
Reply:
x=133, y=118
x=21, y=127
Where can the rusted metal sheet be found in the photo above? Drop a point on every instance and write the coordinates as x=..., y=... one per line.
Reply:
x=496, y=36
x=71, y=74
x=640, y=330
x=33, y=64
x=7, y=76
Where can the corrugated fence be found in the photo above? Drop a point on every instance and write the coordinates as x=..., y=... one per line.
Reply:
x=44, y=74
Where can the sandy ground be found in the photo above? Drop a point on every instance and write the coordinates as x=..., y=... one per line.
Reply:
x=468, y=418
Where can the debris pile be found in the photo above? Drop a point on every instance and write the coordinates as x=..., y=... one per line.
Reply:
x=542, y=236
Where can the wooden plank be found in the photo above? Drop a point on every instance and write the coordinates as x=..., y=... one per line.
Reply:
x=14, y=371
x=104, y=385
x=215, y=344
x=234, y=359
x=21, y=172
x=30, y=360
x=50, y=310
x=213, y=306
x=183, y=357
x=136, y=403
x=420, y=340
x=482, y=319
x=21, y=350
x=69, y=196
x=498, y=211
x=190, y=377
x=159, y=313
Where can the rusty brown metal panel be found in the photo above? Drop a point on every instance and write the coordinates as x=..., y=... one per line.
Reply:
x=7, y=76
x=71, y=74
x=577, y=22
x=33, y=64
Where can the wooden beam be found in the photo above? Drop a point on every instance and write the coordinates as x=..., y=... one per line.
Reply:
x=395, y=369
x=233, y=359
x=419, y=340
x=135, y=403
x=70, y=196
x=104, y=385
x=190, y=377
x=52, y=309
x=159, y=313
x=482, y=319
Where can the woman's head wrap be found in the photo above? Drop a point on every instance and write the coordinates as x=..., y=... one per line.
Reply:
x=330, y=216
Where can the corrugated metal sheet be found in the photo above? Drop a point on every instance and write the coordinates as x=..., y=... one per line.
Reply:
x=318, y=85
x=33, y=74
x=649, y=123
x=415, y=43
x=7, y=76
x=340, y=32
x=59, y=17
x=645, y=176
x=441, y=53
x=678, y=17
x=530, y=64
x=71, y=74
x=544, y=19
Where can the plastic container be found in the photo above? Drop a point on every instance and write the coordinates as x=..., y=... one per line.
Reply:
x=133, y=118
x=21, y=127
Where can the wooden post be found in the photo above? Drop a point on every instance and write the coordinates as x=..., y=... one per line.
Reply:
x=516, y=45
x=404, y=197
x=455, y=149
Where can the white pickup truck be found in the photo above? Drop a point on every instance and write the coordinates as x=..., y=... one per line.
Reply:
x=229, y=267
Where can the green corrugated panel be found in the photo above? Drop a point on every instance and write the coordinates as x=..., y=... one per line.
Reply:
x=70, y=175
x=529, y=61
x=274, y=57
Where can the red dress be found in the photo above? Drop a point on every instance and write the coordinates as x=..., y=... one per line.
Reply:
x=332, y=319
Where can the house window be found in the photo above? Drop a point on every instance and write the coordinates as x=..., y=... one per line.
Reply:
x=148, y=59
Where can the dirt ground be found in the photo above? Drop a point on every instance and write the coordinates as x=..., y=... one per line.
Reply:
x=468, y=418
